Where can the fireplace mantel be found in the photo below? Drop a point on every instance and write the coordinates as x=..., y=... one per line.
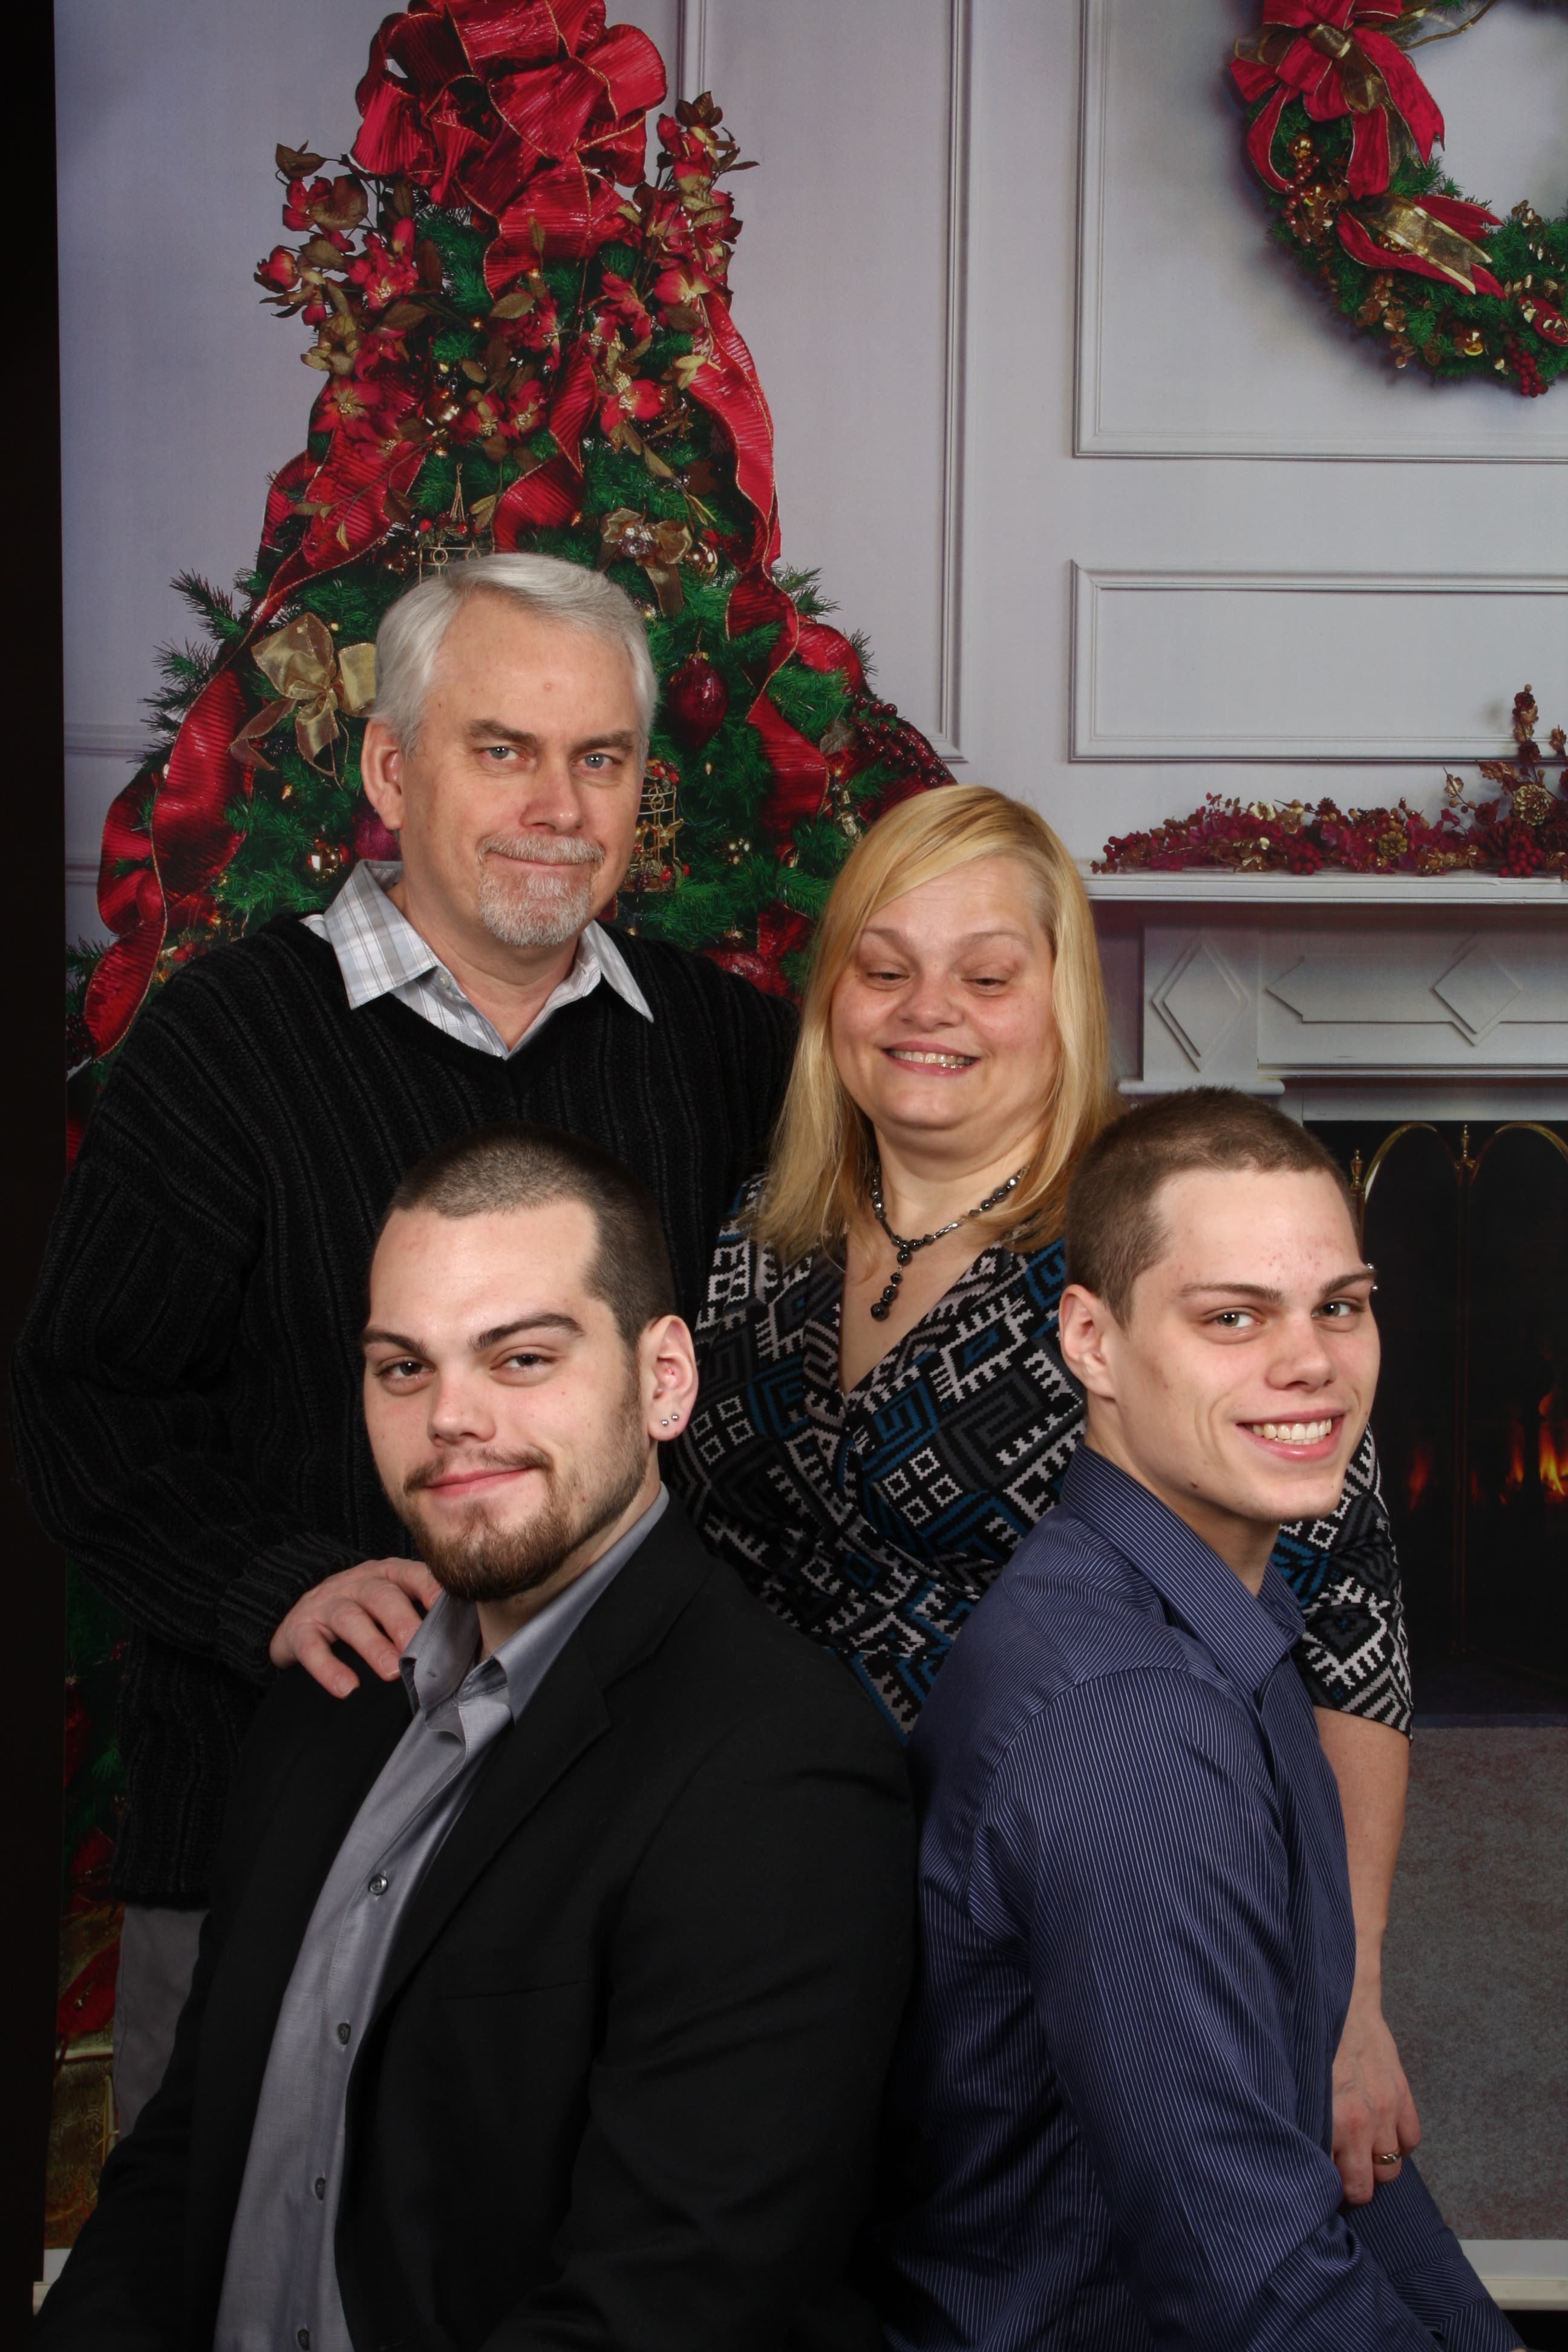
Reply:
x=1345, y=995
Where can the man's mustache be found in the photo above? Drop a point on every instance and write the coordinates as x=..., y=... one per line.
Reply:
x=430, y=1473
x=545, y=848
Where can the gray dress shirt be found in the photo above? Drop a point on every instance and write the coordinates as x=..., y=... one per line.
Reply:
x=280, y=2285
x=380, y=953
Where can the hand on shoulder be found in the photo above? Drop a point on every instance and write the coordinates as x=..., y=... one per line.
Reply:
x=370, y=1608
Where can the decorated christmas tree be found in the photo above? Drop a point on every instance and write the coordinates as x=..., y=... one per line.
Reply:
x=522, y=338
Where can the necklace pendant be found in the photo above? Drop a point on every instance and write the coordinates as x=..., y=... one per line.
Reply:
x=880, y=1311
x=904, y=1257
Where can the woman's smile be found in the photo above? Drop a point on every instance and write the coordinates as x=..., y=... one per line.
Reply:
x=930, y=1057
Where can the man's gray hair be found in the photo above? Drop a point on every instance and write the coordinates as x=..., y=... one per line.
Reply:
x=410, y=637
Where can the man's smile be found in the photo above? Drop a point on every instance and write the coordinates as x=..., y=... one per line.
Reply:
x=1312, y=1440
x=461, y=1486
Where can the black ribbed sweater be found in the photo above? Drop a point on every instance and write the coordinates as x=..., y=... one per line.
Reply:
x=186, y=1390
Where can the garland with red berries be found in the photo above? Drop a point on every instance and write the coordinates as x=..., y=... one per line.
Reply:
x=1523, y=832
x=1340, y=130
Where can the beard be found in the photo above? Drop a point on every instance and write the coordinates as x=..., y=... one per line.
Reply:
x=527, y=909
x=476, y=1557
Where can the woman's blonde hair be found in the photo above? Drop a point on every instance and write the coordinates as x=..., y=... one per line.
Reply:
x=824, y=1153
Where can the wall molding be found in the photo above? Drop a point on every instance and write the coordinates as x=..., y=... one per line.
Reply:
x=692, y=75
x=947, y=737
x=107, y=738
x=1093, y=588
x=691, y=47
x=1094, y=437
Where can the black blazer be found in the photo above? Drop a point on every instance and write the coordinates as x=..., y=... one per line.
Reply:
x=621, y=2084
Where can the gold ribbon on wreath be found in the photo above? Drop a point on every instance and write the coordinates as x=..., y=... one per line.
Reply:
x=1401, y=226
x=312, y=681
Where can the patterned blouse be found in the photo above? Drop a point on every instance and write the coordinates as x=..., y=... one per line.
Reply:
x=875, y=1521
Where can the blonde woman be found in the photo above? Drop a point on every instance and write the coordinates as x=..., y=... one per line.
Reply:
x=883, y=1410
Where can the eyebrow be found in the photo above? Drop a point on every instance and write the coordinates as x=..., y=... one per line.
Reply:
x=1271, y=1297
x=994, y=931
x=373, y=1337
x=567, y=1324
x=491, y=730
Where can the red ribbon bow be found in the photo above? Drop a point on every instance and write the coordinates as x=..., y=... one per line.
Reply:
x=1331, y=55
x=488, y=97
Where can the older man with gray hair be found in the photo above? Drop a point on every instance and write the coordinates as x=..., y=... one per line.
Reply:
x=186, y=1387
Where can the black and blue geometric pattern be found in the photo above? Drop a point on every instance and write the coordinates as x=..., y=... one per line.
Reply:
x=873, y=1522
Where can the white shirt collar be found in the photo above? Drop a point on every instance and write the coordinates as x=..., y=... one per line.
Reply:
x=380, y=953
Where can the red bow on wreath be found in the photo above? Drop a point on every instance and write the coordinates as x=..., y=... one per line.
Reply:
x=1331, y=55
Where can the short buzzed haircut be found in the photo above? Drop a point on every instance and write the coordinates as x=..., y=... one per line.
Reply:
x=1114, y=1229
x=516, y=1166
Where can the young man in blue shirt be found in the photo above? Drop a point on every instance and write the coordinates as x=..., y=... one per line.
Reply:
x=1115, y=2097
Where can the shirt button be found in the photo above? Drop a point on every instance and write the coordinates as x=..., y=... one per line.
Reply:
x=343, y=2033
x=379, y=1884
x=319, y=2186
x=302, y=2338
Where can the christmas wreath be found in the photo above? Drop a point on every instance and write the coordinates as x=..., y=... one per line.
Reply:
x=1340, y=130
x=522, y=339
x=1523, y=832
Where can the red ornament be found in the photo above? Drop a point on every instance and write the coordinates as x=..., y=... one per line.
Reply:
x=371, y=838
x=695, y=702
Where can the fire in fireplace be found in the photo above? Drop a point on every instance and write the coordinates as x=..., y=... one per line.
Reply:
x=1469, y=1230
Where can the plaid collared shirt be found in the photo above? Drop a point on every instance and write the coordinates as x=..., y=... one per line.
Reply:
x=380, y=953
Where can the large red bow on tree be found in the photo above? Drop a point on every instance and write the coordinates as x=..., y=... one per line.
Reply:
x=1335, y=57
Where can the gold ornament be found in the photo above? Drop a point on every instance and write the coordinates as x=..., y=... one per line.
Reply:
x=625, y=536
x=651, y=867
x=313, y=680
x=1533, y=803
x=326, y=857
x=462, y=532
x=1471, y=344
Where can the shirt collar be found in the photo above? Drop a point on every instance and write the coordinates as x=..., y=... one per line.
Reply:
x=378, y=949
x=1246, y=1636
x=442, y=1658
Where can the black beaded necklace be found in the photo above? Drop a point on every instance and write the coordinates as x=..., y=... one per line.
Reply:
x=907, y=1249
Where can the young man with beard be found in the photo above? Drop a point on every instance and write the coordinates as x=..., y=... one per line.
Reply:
x=185, y=1388
x=1137, y=1943
x=547, y=1991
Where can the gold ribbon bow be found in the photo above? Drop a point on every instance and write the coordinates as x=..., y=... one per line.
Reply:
x=1401, y=226
x=625, y=536
x=313, y=681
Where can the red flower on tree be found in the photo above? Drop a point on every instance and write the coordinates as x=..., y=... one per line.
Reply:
x=335, y=206
x=1335, y=57
x=492, y=415
x=387, y=271
x=280, y=269
x=628, y=399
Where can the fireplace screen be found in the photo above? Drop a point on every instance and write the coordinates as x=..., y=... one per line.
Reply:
x=1469, y=1232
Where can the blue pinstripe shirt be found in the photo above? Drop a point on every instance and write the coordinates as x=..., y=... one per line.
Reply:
x=1114, y=2101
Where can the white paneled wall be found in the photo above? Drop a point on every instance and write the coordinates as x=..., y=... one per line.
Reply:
x=1030, y=356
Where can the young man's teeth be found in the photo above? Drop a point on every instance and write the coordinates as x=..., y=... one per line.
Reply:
x=1294, y=1432
x=937, y=1061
